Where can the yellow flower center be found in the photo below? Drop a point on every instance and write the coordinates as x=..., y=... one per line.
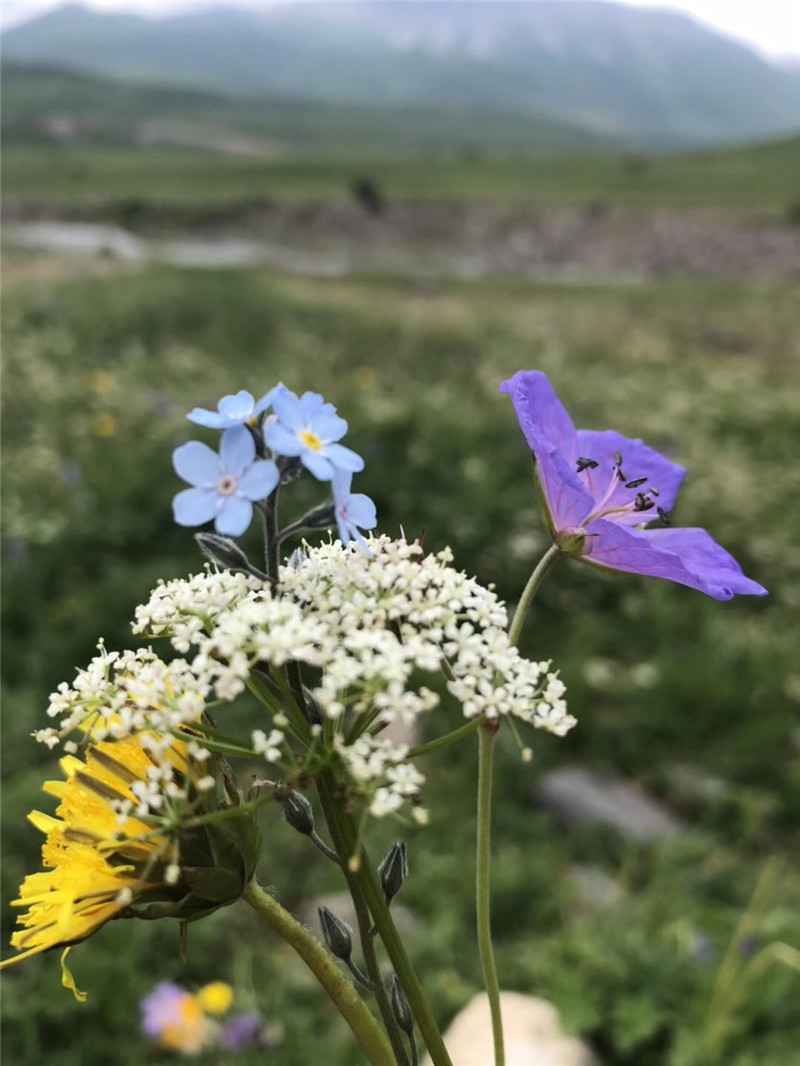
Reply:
x=310, y=439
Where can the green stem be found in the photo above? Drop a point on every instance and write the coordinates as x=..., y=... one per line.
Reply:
x=530, y=590
x=351, y=1006
x=412, y=987
x=483, y=888
x=382, y=919
x=339, y=836
x=446, y=740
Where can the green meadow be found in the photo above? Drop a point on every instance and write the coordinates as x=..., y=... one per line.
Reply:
x=693, y=701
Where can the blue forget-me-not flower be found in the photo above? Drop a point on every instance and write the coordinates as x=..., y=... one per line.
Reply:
x=308, y=428
x=238, y=409
x=354, y=511
x=225, y=485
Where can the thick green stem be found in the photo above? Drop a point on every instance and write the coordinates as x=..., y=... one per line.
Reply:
x=530, y=590
x=381, y=916
x=371, y=1038
x=483, y=887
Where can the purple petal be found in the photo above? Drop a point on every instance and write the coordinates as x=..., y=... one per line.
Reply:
x=541, y=415
x=700, y=553
x=210, y=419
x=161, y=1007
x=238, y=408
x=688, y=557
x=361, y=511
x=344, y=458
x=638, y=460
x=258, y=481
x=567, y=500
x=281, y=441
x=234, y=516
x=193, y=507
x=288, y=409
x=317, y=464
x=237, y=450
x=196, y=463
x=328, y=427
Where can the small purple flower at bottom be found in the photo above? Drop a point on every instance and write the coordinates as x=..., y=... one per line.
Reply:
x=235, y=410
x=354, y=511
x=242, y=1031
x=161, y=1007
x=600, y=491
x=225, y=485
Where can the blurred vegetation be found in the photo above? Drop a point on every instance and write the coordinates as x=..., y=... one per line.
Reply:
x=695, y=700
x=94, y=179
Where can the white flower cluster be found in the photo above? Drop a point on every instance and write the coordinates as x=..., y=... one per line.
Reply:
x=367, y=625
x=186, y=608
x=122, y=694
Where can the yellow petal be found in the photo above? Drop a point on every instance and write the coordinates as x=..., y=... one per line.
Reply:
x=68, y=981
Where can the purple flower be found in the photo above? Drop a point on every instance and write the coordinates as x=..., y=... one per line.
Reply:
x=236, y=410
x=354, y=511
x=225, y=485
x=601, y=489
x=242, y=1031
x=162, y=1007
x=308, y=428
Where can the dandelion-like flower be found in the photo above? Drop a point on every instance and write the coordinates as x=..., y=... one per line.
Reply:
x=225, y=486
x=99, y=860
x=309, y=429
x=601, y=489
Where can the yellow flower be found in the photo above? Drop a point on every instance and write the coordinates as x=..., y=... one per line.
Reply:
x=215, y=998
x=95, y=866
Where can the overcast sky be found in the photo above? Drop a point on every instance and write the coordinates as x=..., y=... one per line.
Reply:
x=771, y=25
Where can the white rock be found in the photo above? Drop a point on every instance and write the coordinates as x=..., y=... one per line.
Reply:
x=533, y=1035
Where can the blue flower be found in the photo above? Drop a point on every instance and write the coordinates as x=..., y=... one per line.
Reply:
x=354, y=511
x=308, y=428
x=225, y=485
x=601, y=514
x=236, y=410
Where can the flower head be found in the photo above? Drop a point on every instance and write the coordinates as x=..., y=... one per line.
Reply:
x=240, y=409
x=96, y=866
x=354, y=511
x=601, y=489
x=308, y=428
x=179, y=1020
x=225, y=485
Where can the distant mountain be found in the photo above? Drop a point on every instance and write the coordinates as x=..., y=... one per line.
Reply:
x=42, y=103
x=649, y=76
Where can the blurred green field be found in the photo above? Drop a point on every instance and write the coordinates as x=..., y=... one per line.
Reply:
x=760, y=179
x=99, y=374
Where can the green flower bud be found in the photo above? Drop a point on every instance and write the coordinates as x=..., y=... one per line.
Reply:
x=393, y=870
x=400, y=1008
x=338, y=934
x=299, y=813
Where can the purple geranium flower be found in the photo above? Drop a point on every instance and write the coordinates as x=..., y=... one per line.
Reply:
x=225, y=485
x=601, y=489
x=354, y=511
x=308, y=428
x=237, y=410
